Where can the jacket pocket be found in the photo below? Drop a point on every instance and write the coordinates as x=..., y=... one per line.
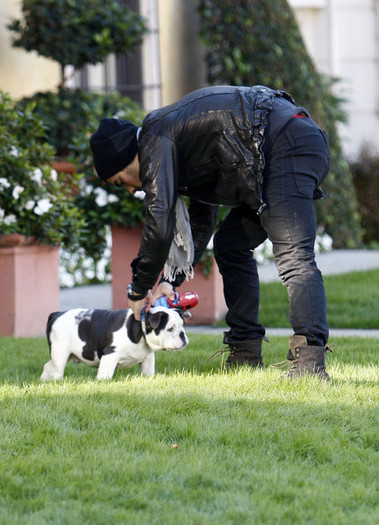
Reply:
x=202, y=174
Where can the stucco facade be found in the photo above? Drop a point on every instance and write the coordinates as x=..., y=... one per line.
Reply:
x=342, y=36
x=182, y=67
x=22, y=73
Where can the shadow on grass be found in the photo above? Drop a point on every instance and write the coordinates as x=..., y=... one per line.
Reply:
x=229, y=445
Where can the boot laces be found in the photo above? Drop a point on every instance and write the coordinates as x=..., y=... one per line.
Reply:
x=283, y=364
x=288, y=365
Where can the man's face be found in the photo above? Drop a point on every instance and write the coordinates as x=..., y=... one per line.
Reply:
x=128, y=177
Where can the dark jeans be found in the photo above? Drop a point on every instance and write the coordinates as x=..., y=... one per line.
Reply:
x=296, y=164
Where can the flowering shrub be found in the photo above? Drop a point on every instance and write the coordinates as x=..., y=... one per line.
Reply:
x=76, y=268
x=71, y=116
x=103, y=204
x=34, y=200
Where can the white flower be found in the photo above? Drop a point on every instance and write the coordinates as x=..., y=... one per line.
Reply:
x=323, y=243
x=17, y=190
x=264, y=252
x=65, y=278
x=2, y=213
x=140, y=195
x=13, y=151
x=87, y=189
x=4, y=183
x=10, y=219
x=42, y=207
x=210, y=243
x=36, y=176
x=101, y=197
x=29, y=205
x=112, y=198
x=54, y=175
x=90, y=273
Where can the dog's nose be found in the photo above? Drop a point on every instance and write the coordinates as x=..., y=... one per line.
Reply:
x=183, y=337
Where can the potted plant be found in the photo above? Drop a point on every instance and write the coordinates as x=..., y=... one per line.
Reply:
x=37, y=215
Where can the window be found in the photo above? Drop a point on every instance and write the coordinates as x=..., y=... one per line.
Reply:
x=136, y=75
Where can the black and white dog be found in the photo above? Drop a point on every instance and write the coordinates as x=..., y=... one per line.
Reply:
x=109, y=339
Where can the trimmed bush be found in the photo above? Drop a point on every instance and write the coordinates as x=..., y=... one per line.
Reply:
x=35, y=201
x=259, y=42
x=77, y=32
x=365, y=172
x=70, y=117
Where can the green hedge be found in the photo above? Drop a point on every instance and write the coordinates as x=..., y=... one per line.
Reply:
x=77, y=32
x=258, y=42
x=34, y=200
x=70, y=117
x=365, y=170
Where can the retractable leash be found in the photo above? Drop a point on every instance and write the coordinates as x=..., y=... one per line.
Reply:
x=182, y=302
x=143, y=321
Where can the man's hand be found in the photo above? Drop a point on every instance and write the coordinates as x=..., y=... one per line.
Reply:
x=165, y=289
x=136, y=306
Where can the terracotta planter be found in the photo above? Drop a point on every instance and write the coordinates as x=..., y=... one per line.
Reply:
x=16, y=239
x=29, y=285
x=125, y=245
x=63, y=166
x=211, y=307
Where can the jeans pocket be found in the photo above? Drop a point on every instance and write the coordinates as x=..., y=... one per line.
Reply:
x=310, y=160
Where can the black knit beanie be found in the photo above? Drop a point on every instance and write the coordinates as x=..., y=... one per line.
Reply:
x=114, y=146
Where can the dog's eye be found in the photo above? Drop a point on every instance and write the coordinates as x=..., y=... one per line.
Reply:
x=170, y=329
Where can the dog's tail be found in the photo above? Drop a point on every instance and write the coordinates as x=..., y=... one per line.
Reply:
x=52, y=317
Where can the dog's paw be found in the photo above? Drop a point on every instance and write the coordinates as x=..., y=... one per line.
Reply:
x=50, y=373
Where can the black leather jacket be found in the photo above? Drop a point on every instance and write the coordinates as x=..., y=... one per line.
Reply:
x=208, y=145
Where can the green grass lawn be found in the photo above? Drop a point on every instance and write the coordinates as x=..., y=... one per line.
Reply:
x=193, y=445
x=353, y=301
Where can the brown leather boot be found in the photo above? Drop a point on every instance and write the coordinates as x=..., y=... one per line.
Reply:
x=245, y=353
x=306, y=359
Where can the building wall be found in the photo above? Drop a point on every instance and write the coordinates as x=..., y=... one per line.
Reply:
x=182, y=67
x=103, y=77
x=22, y=73
x=342, y=36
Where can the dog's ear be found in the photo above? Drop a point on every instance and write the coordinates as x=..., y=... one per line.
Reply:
x=183, y=313
x=156, y=320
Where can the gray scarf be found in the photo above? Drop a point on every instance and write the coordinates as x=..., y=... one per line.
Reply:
x=180, y=257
